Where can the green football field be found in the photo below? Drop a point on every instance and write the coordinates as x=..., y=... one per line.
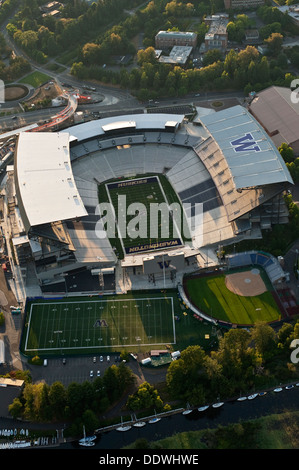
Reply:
x=99, y=325
x=210, y=295
x=148, y=213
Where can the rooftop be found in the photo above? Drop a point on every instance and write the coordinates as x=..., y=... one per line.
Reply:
x=277, y=113
x=251, y=156
x=44, y=178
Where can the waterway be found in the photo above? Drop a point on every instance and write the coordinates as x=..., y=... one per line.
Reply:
x=231, y=412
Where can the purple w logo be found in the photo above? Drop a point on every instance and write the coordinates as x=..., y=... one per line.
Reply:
x=165, y=265
x=245, y=144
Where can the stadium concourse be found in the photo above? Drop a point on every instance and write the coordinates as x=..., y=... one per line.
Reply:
x=224, y=163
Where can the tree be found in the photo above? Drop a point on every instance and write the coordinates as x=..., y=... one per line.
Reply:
x=146, y=397
x=264, y=339
x=286, y=152
x=16, y=408
x=186, y=377
x=147, y=55
x=211, y=56
x=274, y=43
x=263, y=71
x=57, y=399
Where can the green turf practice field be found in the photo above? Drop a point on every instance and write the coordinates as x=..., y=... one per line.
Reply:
x=211, y=296
x=101, y=324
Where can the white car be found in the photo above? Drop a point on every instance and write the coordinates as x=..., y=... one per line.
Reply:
x=91, y=373
x=108, y=358
x=101, y=359
x=98, y=373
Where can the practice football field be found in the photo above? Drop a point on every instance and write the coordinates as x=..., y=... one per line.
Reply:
x=95, y=325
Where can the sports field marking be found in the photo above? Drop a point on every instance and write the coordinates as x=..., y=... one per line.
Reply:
x=108, y=323
x=211, y=295
x=145, y=191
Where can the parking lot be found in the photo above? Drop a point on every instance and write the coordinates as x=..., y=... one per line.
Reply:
x=71, y=369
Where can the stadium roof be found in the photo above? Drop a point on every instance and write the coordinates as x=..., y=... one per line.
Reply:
x=97, y=127
x=251, y=156
x=119, y=125
x=44, y=179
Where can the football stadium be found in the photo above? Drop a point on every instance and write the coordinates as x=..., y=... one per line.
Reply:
x=135, y=203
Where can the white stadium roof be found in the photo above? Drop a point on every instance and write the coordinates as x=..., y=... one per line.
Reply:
x=44, y=178
x=251, y=156
x=91, y=129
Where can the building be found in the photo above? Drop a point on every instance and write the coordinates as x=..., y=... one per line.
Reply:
x=217, y=36
x=242, y=4
x=292, y=11
x=168, y=39
x=228, y=165
x=279, y=116
x=179, y=55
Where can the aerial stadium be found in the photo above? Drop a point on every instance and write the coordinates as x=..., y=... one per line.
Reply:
x=222, y=173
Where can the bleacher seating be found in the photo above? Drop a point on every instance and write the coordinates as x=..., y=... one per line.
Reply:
x=266, y=261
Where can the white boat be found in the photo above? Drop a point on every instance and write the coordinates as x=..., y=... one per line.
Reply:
x=123, y=427
x=279, y=389
x=289, y=387
x=203, y=408
x=87, y=441
x=138, y=424
x=188, y=410
x=155, y=419
x=241, y=398
x=252, y=397
x=217, y=405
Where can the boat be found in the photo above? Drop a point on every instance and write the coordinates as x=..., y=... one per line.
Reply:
x=217, y=405
x=253, y=396
x=123, y=427
x=289, y=387
x=188, y=410
x=262, y=394
x=87, y=441
x=279, y=389
x=203, y=408
x=155, y=419
x=138, y=424
x=241, y=398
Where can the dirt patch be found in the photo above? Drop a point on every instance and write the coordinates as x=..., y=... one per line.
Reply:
x=15, y=92
x=47, y=91
x=247, y=283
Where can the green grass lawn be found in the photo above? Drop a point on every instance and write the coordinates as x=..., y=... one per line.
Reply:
x=136, y=321
x=36, y=79
x=211, y=296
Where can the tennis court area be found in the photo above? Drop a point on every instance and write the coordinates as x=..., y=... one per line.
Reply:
x=70, y=325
